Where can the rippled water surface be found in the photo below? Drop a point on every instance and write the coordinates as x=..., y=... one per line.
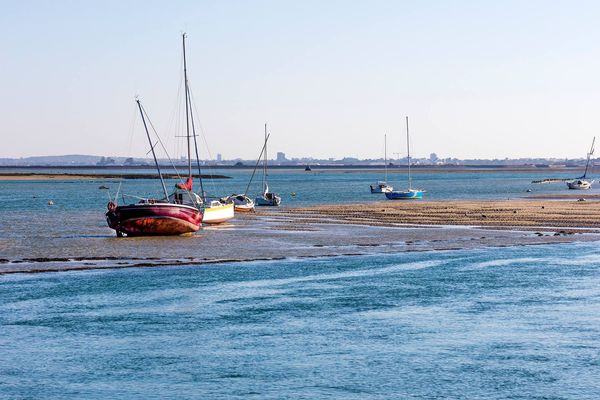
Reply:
x=518, y=322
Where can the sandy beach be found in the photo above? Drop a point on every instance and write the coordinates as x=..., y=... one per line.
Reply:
x=519, y=214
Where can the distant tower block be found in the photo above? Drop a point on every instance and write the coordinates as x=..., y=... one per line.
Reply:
x=281, y=157
x=219, y=157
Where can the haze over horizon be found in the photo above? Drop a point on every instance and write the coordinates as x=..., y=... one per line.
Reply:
x=478, y=79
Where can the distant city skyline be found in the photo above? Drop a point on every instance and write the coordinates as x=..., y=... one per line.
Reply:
x=478, y=79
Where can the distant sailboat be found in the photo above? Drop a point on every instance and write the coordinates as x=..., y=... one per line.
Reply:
x=583, y=183
x=410, y=193
x=267, y=198
x=382, y=186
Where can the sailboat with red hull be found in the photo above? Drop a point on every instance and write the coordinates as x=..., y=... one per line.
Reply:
x=176, y=214
x=154, y=219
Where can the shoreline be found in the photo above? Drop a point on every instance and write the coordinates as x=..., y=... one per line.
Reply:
x=34, y=176
x=310, y=232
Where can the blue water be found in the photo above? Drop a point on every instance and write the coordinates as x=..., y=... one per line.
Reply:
x=310, y=188
x=519, y=323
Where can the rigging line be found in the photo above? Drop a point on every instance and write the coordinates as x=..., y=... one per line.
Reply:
x=169, y=158
x=162, y=145
x=162, y=181
x=131, y=132
x=173, y=123
x=208, y=166
x=203, y=133
x=202, y=194
x=256, y=166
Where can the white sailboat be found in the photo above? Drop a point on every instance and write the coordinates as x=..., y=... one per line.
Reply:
x=215, y=211
x=382, y=186
x=268, y=198
x=583, y=183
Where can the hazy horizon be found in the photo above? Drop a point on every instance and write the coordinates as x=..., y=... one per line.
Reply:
x=478, y=80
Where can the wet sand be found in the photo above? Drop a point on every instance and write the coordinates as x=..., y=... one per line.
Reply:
x=512, y=214
x=85, y=242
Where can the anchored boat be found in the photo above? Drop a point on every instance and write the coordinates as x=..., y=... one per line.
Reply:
x=217, y=212
x=583, y=183
x=382, y=186
x=167, y=216
x=241, y=202
x=410, y=193
x=267, y=198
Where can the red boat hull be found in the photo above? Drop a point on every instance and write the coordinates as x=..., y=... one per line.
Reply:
x=154, y=219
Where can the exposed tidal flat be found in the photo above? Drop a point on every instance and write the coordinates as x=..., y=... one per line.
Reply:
x=84, y=242
x=336, y=295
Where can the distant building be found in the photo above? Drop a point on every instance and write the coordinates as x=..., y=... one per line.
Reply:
x=433, y=158
x=281, y=156
x=219, y=157
x=106, y=161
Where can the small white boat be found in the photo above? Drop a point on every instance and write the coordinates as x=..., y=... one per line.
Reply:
x=583, y=183
x=217, y=212
x=580, y=184
x=268, y=199
x=382, y=186
x=241, y=202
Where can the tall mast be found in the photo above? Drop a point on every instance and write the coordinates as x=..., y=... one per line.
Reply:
x=385, y=154
x=152, y=149
x=187, y=111
x=265, y=183
x=202, y=194
x=589, y=155
x=260, y=156
x=408, y=152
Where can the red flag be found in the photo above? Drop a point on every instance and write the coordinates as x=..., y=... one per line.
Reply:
x=187, y=185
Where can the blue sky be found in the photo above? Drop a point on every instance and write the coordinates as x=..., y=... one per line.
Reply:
x=477, y=78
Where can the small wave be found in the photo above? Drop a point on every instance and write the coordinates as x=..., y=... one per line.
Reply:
x=346, y=274
x=509, y=261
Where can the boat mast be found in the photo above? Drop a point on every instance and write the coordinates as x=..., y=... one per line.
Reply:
x=408, y=152
x=265, y=182
x=260, y=156
x=202, y=194
x=188, y=101
x=152, y=149
x=187, y=111
x=589, y=155
x=385, y=154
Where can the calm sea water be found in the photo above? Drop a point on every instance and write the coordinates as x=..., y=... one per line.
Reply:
x=517, y=323
x=309, y=188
